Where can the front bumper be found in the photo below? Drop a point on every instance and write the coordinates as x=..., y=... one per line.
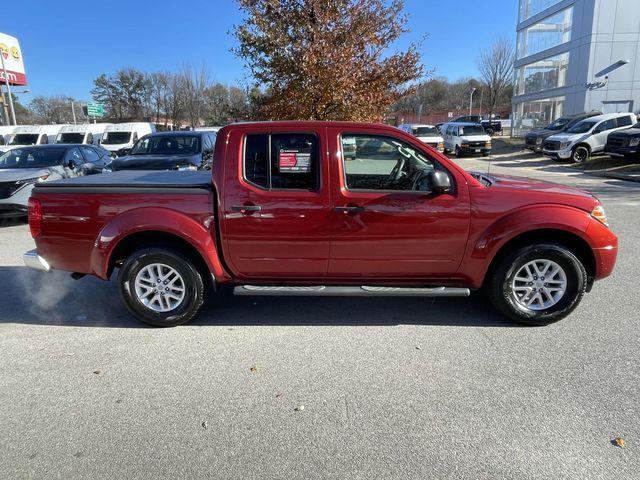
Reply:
x=627, y=152
x=559, y=154
x=33, y=260
x=474, y=150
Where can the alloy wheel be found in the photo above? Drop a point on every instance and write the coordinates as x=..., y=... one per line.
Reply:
x=159, y=287
x=539, y=284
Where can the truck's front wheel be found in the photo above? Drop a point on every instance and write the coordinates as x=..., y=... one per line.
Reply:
x=538, y=285
x=161, y=287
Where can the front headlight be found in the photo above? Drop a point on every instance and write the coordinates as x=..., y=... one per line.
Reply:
x=564, y=145
x=539, y=141
x=598, y=214
x=187, y=168
x=634, y=142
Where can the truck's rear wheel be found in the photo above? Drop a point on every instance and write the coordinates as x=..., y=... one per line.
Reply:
x=538, y=284
x=161, y=287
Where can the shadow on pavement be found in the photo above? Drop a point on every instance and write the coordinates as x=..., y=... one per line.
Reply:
x=39, y=298
x=12, y=221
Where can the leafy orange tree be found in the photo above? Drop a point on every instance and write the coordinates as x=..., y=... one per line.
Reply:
x=327, y=59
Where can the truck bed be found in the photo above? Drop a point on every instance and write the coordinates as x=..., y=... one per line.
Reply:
x=131, y=181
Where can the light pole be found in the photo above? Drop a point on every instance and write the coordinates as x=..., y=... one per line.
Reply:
x=73, y=110
x=6, y=81
x=473, y=90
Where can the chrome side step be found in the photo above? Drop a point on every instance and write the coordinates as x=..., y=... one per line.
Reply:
x=351, y=291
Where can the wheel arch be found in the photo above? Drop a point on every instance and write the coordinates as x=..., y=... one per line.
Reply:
x=146, y=227
x=573, y=242
x=157, y=238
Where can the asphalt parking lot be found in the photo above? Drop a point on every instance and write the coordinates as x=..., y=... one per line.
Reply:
x=391, y=388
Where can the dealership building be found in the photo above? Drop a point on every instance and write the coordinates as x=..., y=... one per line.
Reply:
x=574, y=56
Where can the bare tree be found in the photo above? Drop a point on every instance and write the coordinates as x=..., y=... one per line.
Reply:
x=174, y=100
x=496, y=70
x=158, y=86
x=55, y=109
x=194, y=83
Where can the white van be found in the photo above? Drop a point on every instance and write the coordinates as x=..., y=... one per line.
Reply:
x=26, y=135
x=462, y=138
x=4, y=134
x=428, y=134
x=121, y=136
x=88, y=133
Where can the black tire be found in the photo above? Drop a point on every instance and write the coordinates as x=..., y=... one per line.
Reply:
x=489, y=131
x=191, y=279
x=580, y=154
x=458, y=152
x=486, y=154
x=499, y=284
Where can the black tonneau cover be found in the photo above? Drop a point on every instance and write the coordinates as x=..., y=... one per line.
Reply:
x=131, y=181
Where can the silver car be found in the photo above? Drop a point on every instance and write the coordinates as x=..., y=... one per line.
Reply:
x=21, y=168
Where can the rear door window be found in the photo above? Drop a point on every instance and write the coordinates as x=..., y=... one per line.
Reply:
x=282, y=161
x=624, y=121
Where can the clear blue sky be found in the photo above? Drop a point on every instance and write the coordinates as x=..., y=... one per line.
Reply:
x=67, y=43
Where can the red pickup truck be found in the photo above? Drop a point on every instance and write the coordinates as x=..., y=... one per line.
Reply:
x=324, y=208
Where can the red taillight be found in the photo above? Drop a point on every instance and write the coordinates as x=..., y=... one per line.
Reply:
x=35, y=217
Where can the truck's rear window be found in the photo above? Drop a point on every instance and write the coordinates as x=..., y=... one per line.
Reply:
x=282, y=161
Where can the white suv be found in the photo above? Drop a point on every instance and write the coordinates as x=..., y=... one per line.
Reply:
x=586, y=137
x=425, y=133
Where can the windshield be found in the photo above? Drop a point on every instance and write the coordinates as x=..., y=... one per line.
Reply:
x=167, y=145
x=582, y=127
x=112, y=138
x=559, y=124
x=425, y=131
x=471, y=130
x=24, y=139
x=31, y=158
x=70, y=138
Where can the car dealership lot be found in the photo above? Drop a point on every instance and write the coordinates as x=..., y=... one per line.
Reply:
x=391, y=388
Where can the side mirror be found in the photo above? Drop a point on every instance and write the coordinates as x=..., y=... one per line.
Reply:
x=597, y=130
x=439, y=182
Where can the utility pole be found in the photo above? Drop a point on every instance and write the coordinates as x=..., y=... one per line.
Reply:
x=473, y=90
x=6, y=81
x=5, y=109
x=73, y=110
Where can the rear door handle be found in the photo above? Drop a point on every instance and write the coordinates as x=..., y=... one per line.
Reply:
x=246, y=208
x=349, y=209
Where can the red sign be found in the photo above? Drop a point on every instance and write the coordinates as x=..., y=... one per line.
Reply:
x=13, y=62
x=287, y=160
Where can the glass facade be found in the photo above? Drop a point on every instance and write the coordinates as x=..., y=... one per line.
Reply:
x=528, y=8
x=549, y=32
x=542, y=75
x=536, y=114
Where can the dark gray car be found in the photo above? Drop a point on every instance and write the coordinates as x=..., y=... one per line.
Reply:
x=168, y=151
x=535, y=139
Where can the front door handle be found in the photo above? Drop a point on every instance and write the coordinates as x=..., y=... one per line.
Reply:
x=349, y=209
x=246, y=209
